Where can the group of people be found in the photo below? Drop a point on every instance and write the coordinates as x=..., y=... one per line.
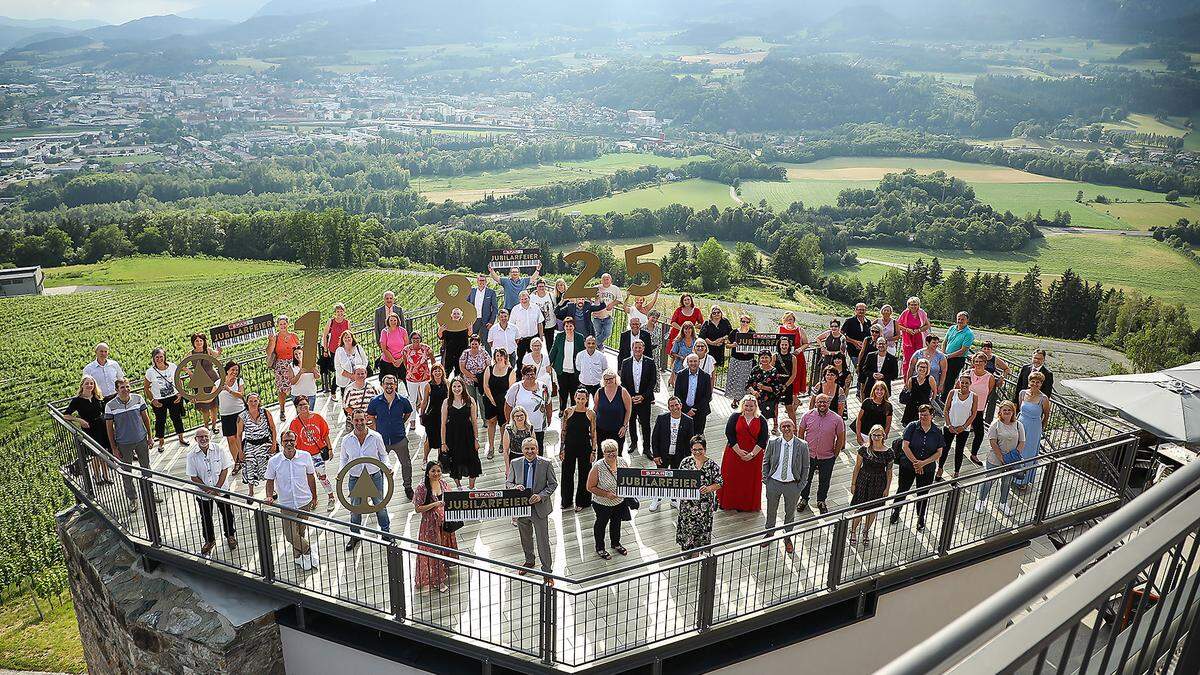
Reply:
x=503, y=375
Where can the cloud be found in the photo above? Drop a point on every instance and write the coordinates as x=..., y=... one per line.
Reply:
x=112, y=11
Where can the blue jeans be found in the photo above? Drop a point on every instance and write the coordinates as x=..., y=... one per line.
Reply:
x=385, y=522
x=986, y=488
x=602, y=328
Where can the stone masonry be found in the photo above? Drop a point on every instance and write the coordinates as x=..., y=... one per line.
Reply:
x=134, y=622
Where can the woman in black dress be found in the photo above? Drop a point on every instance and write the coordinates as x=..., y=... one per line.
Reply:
x=715, y=331
x=431, y=414
x=577, y=452
x=875, y=410
x=740, y=362
x=87, y=410
x=460, y=445
x=785, y=363
x=496, y=381
x=918, y=390
x=828, y=385
x=870, y=480
x=454, y=343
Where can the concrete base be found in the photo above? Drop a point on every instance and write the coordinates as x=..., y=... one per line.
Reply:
x=167, y=621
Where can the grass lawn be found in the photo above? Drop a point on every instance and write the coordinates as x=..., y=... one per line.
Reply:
x=50, y=645
x=1137, y=263
x=1191, y=142
x=818, y=183
x=474, y=186
x=1146, y=124
x=1144, y=216
x=694, y=192
x=243, y=64
x=150, y=269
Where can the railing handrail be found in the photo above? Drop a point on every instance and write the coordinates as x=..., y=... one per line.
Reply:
x=936, y=651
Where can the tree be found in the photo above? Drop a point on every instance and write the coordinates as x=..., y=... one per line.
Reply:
x=1027, y=302
x=1173, y=196
x=747, y=258
x=1158, y=346
x=151, y=240
x=713, y=265
x=792, y=261
x=934, y=276
x=104, y=242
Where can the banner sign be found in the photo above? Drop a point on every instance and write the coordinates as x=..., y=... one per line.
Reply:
x=760, y=341
x=487, y=504
x=658, y=483
x=506, y=258
x=239, y=332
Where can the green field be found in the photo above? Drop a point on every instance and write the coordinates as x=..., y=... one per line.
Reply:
x=9, y=134
x=662, y=245
x=694, y=192
x=154, y=269
x=1005, y=189
x=474, y=186
x=1137, y=263
x=147, y=158
x=1191, y=142
x=51, y=644
x=1146, y=124
x=244, y=64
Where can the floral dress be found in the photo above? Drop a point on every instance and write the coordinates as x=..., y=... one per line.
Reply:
x=695, y=524
x=768, y=401
x=432, y=572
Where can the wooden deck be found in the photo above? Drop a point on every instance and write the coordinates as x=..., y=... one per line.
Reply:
x=658, y=603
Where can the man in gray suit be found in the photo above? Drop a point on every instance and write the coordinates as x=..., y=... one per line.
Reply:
x=785, y=469
x=385, y=310
x=535, y=475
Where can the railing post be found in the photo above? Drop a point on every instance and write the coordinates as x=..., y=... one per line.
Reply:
x=706, y=605
x=837, y=554
x=948, y=521
x=149, y=508
x=1043, y=502
x=1128, y=458
x=548, y=623
x=262, y=537
x=85, y=471
x=395, y=567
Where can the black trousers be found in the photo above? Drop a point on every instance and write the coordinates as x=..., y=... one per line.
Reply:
x=673, y=461
x=823, y=470
x=548, y=338
x=522, y=349
x=615, y=434
x=977, y=428
x=170, y=406
x=698, y=420
x=959, y=441
x=907, y=478
x=639, y=424
x=954, y=366
x=575, y=465
x=567, y=384
x=206, y=518
x=607, y=517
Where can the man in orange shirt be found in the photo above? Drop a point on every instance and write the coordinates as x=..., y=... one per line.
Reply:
x=312, y=436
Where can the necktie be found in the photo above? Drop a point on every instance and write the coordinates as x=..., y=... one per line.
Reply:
x=529, y=474
x=786, y=447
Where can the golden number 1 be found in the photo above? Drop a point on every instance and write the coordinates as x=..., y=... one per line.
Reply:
x=309, y=324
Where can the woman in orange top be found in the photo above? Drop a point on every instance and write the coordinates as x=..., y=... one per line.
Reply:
x=279, y=355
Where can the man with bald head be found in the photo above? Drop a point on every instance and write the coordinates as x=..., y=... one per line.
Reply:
x=825, y=433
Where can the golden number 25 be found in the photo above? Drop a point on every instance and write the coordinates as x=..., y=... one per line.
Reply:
x=458, y=300
x=591, y=265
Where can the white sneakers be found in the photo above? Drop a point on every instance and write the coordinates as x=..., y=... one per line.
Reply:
x=1004, y=508
x=656, y=505
x=306, y=562
x=979, y=505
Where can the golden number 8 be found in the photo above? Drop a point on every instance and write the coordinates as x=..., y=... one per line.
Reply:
x=457, y=300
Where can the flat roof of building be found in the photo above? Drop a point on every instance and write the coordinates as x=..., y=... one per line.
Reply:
x=20, y=271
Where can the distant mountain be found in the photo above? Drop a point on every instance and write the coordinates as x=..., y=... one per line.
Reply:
x=226, y=10
x=16, y=36
x=295, y=7
x=156, y=27
x=68, y=24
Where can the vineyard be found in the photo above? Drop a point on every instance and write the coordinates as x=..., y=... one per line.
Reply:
x=48, y=340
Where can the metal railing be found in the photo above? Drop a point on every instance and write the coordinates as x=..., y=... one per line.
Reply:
x=606, y=617
x=1134, y=607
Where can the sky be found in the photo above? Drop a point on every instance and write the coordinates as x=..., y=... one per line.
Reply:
x=112, y=11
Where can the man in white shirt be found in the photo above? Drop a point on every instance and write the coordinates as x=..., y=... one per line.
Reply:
x=590, y=364
x=503, y=335
x=543, y=299
x=785, y=468
x=208, y=466
x=610, y=295
x=105, y=372
x=365, y=442
x=292, y=482
x=527, y=319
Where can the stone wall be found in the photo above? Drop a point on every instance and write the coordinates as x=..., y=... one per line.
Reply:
x=134, y=622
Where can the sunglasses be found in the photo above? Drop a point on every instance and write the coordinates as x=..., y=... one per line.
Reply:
x=744, y=321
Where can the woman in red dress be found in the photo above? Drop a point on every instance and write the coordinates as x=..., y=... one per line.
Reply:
x=686, y=311
x=428, y=500
x=741, y=466
x=800, y=349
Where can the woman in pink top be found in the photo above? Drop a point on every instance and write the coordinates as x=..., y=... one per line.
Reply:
x=982, y=384
x=914, y=326
x=392, y=341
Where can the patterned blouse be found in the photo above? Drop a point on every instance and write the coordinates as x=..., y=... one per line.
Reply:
x=416, y=359
x=767, y=378
x=606, y=480
x=474, y=364
x=256, y=432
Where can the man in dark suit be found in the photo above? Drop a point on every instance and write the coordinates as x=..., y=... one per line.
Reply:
x=874, y=369
x=639, y=375
x=635, y=332
x=694, y=388
x=382, y=312
x=486, y=306
x=535, y=475
x=1038, y=363
x=672, y=431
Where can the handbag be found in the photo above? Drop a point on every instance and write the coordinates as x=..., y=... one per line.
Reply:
x=632, y=503
x=452, y=525
x=905, y=396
